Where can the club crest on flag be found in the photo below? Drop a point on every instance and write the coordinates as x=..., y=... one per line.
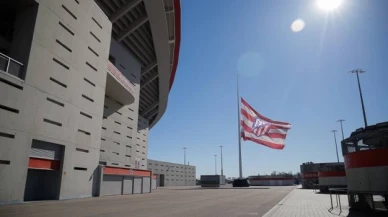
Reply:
x=262, y=130
x=260, y=127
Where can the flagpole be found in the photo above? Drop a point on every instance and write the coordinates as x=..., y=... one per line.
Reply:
x=239, y=131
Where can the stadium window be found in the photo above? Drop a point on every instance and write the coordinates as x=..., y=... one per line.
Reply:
x=112, y=59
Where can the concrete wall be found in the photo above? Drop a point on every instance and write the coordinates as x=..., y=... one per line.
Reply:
x=367, y=179
x=333, y=181
x=123, y=141
x=174, y=174
x=55, y=90
x=142, y=141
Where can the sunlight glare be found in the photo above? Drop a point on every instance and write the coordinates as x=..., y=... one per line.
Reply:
x=297, y=25
x=329, y=5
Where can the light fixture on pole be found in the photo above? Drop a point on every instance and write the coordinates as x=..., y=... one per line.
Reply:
x=342, y=130
x=357, y=71
x=215, y=164
x=184, y=161
x=335, y=140
x=222, y=167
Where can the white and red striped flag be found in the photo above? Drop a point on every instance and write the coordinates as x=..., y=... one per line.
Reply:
x=262, y=130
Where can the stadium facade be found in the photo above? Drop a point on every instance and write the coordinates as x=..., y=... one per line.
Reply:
x=81, y=85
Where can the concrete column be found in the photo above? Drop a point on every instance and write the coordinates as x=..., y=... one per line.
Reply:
x=99, y=178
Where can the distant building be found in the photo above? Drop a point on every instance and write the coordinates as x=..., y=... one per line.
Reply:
x=172, y=174
x=323, y=175
x=271, y=180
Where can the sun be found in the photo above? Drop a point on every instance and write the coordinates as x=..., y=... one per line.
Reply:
x=329, y=5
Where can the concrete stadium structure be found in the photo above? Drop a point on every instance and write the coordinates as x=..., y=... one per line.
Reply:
x=172, y=174
x=366, y=164
x=323, y=175
x=81, y=85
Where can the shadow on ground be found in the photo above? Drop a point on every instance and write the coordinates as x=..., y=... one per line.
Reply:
x=357, y=213
x=212, y=188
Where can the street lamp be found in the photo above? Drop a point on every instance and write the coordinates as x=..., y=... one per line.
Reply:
x=184, y=161
x=342, y=130
x=335, y=140
x=215, y=164
x=357, y=71
x=222, y=167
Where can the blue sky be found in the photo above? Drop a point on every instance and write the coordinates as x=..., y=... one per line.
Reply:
x=302, y=78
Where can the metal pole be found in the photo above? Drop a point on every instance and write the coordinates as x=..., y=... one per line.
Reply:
x=342, y=130
x=222, y=167
x=336, y=148
x=184, y=157
x=215, y=164
x=357, y=71
x=239, y=132
x=9, y=61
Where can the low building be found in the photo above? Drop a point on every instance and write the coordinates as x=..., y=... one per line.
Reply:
x=271, y=180
x=212, y=180
x=323, y=175
x=172, y=174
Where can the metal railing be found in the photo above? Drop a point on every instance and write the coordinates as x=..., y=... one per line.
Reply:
x=11, y=66
x=374, y=137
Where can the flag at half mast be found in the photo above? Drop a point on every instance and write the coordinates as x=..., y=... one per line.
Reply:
x=262, y=130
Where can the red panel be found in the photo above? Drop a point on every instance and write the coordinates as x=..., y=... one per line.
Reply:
x=125, y=171
x=311, y=175
x=177, y=11
x=154, y=177
x=289, y=178
x=369, y=158
x=39, y=163
x=331, y=173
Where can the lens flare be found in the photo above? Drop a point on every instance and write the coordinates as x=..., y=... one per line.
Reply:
x=297, y=25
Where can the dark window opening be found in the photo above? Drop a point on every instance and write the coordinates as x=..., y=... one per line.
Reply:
x=112, y=59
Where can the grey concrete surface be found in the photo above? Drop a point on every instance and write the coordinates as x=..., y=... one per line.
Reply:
x=171, y=202
x=56, y=71
x=307, y=203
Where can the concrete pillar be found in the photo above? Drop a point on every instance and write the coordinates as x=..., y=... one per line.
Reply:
x=98, y=176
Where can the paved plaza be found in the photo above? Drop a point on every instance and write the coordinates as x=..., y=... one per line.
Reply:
x=308, y=203
x=168, y=202
x=290, y=201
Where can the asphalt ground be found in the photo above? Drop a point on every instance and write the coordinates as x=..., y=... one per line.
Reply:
x=166, y=202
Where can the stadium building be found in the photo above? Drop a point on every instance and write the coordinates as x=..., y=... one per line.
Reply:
x=81, y=84
x=366, y=164
x=172, y=174
x=323, y=175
